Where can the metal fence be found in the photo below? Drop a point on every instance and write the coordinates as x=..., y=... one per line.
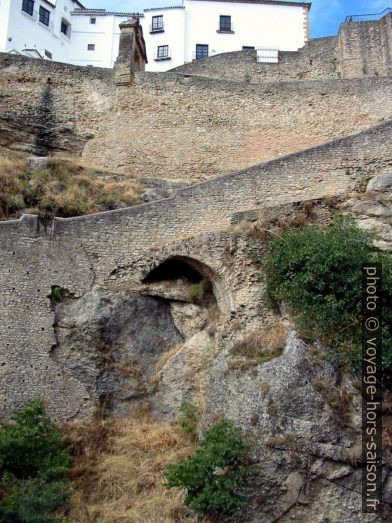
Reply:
x=368, y=18
x=267, y=55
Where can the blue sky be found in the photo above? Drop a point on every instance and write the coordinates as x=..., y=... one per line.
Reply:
x=326, y=15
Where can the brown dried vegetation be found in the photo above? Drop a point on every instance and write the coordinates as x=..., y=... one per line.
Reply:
x=61, y=188
x=119, y=467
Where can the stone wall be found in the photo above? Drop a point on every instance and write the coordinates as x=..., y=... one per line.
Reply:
x=50, y=105
x=121, y=247
x=360, y=49
x=318, y=59
x=172, y=126
x=366, y=47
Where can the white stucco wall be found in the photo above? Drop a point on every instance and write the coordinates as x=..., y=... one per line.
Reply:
x=26, y=31
x=104, y=34
x=173, y=35
x=262, y=25
x=4, y=14
x=197, y=22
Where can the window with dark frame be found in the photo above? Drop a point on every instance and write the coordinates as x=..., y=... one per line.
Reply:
x=90, y=47
x=224, y=23
x=65, y=28
x=28, y=7
x=93, y=20
x=201, y=51
x=248, y=48
x=163, y=51
x=157, y=23
x=44, y=15
x=48, y=54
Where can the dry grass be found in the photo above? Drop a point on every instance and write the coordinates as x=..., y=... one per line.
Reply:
x=119, y=471
x=166, y=356
x=63, y=188
x=262, y=345
x=13, y=176
x=354, y=454
x=337, y=398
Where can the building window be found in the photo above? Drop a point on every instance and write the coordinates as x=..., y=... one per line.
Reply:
x=48, y=54
x=90, y=47
x=44, y=15
x=225, y=23
x=201, y=51
x=28, y=7
x=248, y=48
x=93, y=20
x=157, y=23
x=162, y=52
x=65, y=27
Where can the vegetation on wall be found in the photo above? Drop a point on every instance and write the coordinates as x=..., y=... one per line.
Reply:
x=34, y=464
x=317, y=271
x=61, y=188
x=217, y=474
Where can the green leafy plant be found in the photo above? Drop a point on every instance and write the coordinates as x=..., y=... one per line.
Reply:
x=217, y=474
x=317, y=271
x=57, y=294
x=34, y=463
x=197, y=291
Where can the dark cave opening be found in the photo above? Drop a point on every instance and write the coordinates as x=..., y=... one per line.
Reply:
x=174, y=269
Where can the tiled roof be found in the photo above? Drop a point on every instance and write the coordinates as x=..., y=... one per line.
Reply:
x=103, y=12
x=166, y=7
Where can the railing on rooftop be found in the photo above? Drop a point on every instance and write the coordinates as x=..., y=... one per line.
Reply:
x=368, y=18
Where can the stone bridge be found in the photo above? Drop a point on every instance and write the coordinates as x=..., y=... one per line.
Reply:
x=117, y=250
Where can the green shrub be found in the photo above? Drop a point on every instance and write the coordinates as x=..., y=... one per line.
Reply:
x=32, y=445
x=196, y=291
x=317, y=271
x=57, y=294
x=189, y=419
x=34, y=463
x=216, y=475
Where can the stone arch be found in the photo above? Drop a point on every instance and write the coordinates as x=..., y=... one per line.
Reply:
x=180, y=266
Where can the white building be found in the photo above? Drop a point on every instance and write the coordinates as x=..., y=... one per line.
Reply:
x=96, y=36
x=67, y=32
x=37, y=28
x=193, y=30
x=201, y=28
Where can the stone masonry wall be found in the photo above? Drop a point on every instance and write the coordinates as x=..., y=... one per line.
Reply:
x=171, y=126
x=124, y=245
x=366, y=47
x=318, y=59
x=359, y=50
x=42, y=101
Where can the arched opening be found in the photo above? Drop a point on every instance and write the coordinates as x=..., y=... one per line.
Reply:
x=195, y=274
x=173, y=269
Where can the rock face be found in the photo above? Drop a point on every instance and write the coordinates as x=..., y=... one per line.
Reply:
x=373, y=211
x=302, y=415
x=111, y=342
x=304, y=418
x=380, y=184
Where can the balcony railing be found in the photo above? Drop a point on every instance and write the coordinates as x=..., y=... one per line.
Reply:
x=368, y=18
x=157, y=28
x=267, y=55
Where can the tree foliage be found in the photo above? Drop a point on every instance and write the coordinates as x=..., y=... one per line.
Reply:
x=34, y=463
x=317, y=271
x=216, y=474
